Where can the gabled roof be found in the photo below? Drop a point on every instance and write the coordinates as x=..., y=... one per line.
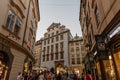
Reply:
x=53, y=25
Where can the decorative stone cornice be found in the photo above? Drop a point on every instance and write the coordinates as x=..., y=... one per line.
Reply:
x=10, y=43
x=15, y=5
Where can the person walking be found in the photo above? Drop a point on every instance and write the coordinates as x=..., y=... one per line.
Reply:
x=49, y=76
x=25, y=76
x=75, y=77
x=82, y=76
x=59, y=77
x=19, y=77
x=89, y=76
x=41, y=76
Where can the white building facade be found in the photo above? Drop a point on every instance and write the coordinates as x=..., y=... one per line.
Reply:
x=55, y=47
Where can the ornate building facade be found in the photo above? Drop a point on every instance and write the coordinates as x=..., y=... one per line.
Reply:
x=55, y=47
x=100, y=22
x=77, y=53
x=18, y=26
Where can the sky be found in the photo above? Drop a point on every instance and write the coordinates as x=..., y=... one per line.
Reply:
x=65, y=12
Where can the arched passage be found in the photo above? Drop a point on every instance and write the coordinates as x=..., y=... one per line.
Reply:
x=6, y=59
x=4, y=64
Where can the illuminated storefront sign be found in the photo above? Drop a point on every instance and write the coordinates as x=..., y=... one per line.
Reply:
x=114, y=31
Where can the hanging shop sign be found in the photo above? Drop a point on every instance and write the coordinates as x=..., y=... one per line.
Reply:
x=101, y=47
x=100, y=43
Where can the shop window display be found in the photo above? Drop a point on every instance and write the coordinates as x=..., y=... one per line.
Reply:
x=117, y=62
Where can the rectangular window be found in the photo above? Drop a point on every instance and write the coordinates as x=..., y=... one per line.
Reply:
x=61, y=46
x=10, y=20
x=44, y=50
x=72, y=50
x=57, y=32
x=73, y=60
x=32, y=44
x=77, y=50
x=47, y=49
x=29, y=40
x=48, y=41
x=52, y=48
x=47, y=57
x=13, y=23
x=82, y=48
x=43, y=58
x=97, y=16
x=77, y=43
x=78, y=60
x=52, y=34
x=48, y=35
x=61, y=55
x=52, y=56
x=44, y=42
x=56, y=56
x=56, y=47
x=17, y=26
x=72, y=44
x=52, y=40
x=61, y=37
x=57, y=38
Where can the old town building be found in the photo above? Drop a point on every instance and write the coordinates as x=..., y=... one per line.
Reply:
x=77, y=53
x=37, y=53
x=18, y=26
x=55, y=48
x=100, y=23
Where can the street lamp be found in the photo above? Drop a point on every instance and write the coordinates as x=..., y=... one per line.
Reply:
x=89, y=57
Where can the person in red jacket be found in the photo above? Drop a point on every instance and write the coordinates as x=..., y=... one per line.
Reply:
x=89, y=76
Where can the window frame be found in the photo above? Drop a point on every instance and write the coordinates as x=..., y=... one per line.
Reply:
x=13, y=19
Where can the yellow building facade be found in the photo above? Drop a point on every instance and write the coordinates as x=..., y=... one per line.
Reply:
x=76, y=55
x=37, y=54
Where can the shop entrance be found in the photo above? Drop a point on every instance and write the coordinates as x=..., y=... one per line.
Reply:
x=59, y=67
x=4, y=62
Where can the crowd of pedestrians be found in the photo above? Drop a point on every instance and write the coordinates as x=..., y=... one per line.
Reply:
x=28, y=76
x=47, y=75
x=53, y=76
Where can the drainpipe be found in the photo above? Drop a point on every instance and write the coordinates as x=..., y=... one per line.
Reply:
x=26, y=28
x=26, y=23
